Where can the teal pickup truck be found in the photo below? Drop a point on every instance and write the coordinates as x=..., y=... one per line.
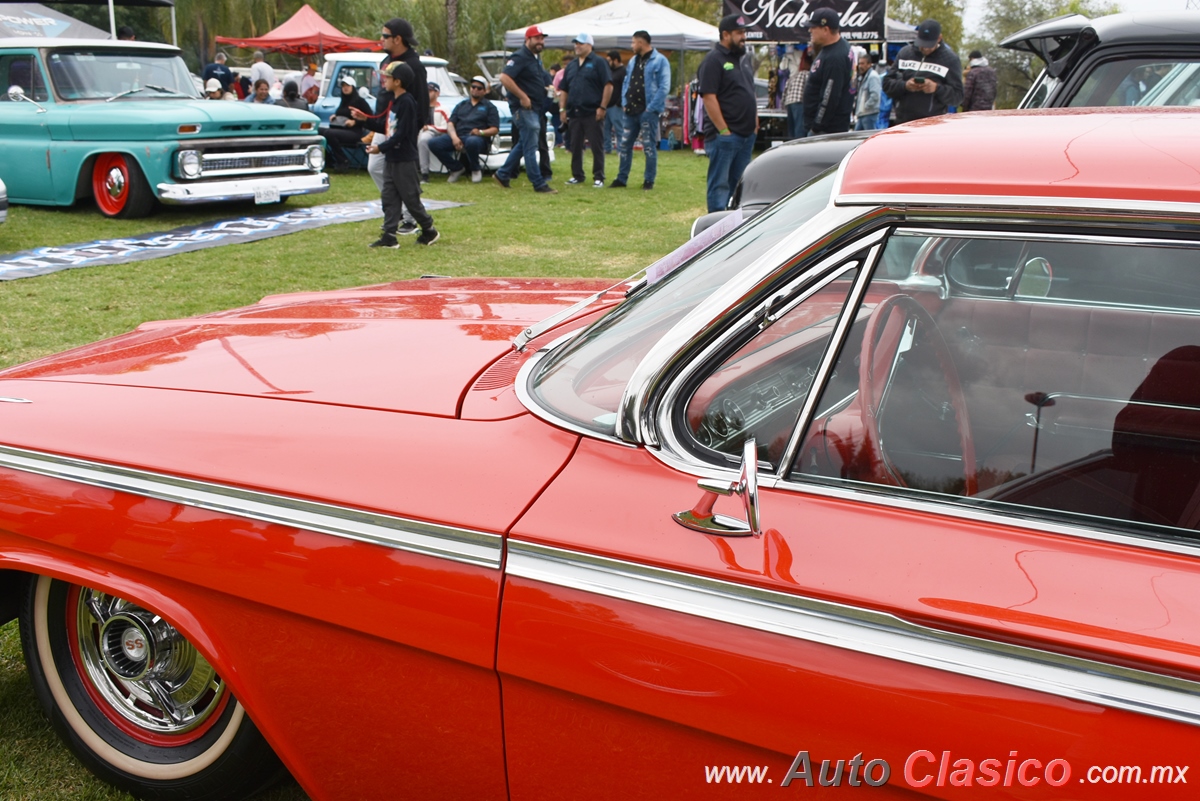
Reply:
x=122, y=122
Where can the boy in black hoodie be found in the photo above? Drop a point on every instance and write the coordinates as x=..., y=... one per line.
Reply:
x=401, y=180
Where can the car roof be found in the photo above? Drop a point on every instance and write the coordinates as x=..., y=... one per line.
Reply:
x=1118, y=158
x=26, y=42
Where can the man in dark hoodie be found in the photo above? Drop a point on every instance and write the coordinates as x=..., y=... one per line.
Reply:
x=827, y=98
x=926, y=77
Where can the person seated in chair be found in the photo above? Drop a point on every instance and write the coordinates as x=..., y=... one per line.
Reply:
x=344, y=132
x=468, y=133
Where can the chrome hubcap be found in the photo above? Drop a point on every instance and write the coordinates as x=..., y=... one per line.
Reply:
x=114, y=183
x=143, y=667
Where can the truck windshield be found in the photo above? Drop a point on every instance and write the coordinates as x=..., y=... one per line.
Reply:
x=102, y=74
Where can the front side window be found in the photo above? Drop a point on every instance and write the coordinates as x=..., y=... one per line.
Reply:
x=23, y=71
x=104, y=74
x=1141, y=82
x=1037, y=373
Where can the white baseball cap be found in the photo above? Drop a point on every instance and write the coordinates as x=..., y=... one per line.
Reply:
x=348, y=79
x=585, y=38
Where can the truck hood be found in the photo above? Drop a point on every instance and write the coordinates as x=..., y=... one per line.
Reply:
x=411, y=346
x=160, y=119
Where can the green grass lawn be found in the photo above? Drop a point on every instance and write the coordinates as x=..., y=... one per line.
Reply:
x=579, y=232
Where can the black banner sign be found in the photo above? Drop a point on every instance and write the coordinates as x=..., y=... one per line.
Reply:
x=781, y=20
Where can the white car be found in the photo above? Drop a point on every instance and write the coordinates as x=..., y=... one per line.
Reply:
x=364, y=67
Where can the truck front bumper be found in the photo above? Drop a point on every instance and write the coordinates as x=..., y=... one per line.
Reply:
x=242, y=188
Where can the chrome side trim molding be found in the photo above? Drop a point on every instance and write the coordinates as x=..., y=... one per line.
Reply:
x=430, y=539
x=861, y=630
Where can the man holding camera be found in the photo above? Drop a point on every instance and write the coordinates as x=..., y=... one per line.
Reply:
x=926, y=78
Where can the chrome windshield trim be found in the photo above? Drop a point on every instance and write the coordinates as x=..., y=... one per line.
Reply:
x=861, y=630
x=429, y=539
x=529, y=401
x=818, y=276
x=1138, y=208
x=634, y=417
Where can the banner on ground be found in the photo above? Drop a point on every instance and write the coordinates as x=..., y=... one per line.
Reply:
x=783, y=20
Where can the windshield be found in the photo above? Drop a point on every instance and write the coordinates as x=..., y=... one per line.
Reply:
x=584, y=380
x=102, y=74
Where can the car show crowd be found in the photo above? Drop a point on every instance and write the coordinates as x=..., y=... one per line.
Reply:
x=608, y=106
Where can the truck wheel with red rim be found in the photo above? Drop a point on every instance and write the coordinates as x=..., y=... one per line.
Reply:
x=134, y=699
x=120, y=187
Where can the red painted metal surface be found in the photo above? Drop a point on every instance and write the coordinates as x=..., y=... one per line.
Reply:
x=1077, y=153
x=654, y=671
x=366, y=667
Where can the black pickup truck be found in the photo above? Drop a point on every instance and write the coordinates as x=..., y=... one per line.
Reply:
x=1137, y=59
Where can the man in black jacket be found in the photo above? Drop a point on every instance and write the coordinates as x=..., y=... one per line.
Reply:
x=827, y=99
x=926, y=78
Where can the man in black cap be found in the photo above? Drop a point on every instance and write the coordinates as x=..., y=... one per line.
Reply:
x=730, y=110
x=926, y=78
x=827, y=99
x=398, y=41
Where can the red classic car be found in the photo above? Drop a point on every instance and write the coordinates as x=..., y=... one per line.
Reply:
x=895, y=486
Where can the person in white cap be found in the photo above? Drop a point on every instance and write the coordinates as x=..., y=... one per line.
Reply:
x=469, y=132
x=214, y=91
x=584, y=93
x=344, y=131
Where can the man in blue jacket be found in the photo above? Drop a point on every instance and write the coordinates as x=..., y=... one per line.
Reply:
x=644, y=98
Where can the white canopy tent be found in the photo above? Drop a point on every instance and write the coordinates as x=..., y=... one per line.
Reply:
x=613, y=23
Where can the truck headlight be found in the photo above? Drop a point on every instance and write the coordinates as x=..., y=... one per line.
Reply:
x=189, y=164
x=315, y=156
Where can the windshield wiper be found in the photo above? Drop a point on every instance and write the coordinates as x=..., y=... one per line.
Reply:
x=522, y=339
x=155, y=87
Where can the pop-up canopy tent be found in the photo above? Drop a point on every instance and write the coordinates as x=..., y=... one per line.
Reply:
x=305, y=34
x=34, y=19
x=613, y=23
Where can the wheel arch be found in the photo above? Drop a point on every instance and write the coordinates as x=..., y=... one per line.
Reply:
x=18, y=568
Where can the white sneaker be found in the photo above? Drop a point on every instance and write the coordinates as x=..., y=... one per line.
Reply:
x=454, y=176
x=598, y=184
x=476, y=176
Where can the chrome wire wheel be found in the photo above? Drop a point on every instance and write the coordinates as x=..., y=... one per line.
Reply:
x=136, y=701
x=145, y=670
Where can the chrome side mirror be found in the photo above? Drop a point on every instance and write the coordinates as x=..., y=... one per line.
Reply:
x=701, y=517
x=17, y=94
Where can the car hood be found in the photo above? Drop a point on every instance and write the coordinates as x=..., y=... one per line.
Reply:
x=412, y=346
x=160, y=119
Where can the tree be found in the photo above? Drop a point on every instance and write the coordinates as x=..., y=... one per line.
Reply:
x=1016, y=70
x=947, y=12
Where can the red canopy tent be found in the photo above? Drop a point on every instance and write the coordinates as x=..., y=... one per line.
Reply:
x=305, y=34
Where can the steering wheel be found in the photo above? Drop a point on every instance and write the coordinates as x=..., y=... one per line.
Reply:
x=893, y=320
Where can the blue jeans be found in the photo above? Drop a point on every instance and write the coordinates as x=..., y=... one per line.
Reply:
x=530, y=124
x=795, y=120
x=646, y=126
x=443, y=147
x=728, y=156
x=868, y=123
x=614, y=127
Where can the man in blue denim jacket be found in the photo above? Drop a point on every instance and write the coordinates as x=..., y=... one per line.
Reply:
x=644, y=98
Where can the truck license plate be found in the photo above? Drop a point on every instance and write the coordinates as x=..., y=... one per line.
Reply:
x=266, y=194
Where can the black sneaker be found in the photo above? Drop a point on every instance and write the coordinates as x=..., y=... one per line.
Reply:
x=546, y=189
x=407, y=229
x=428, y=237
x=574, y=181
x=648, y=185
x=385, y=241
x=617, y=184
x=502, y=181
